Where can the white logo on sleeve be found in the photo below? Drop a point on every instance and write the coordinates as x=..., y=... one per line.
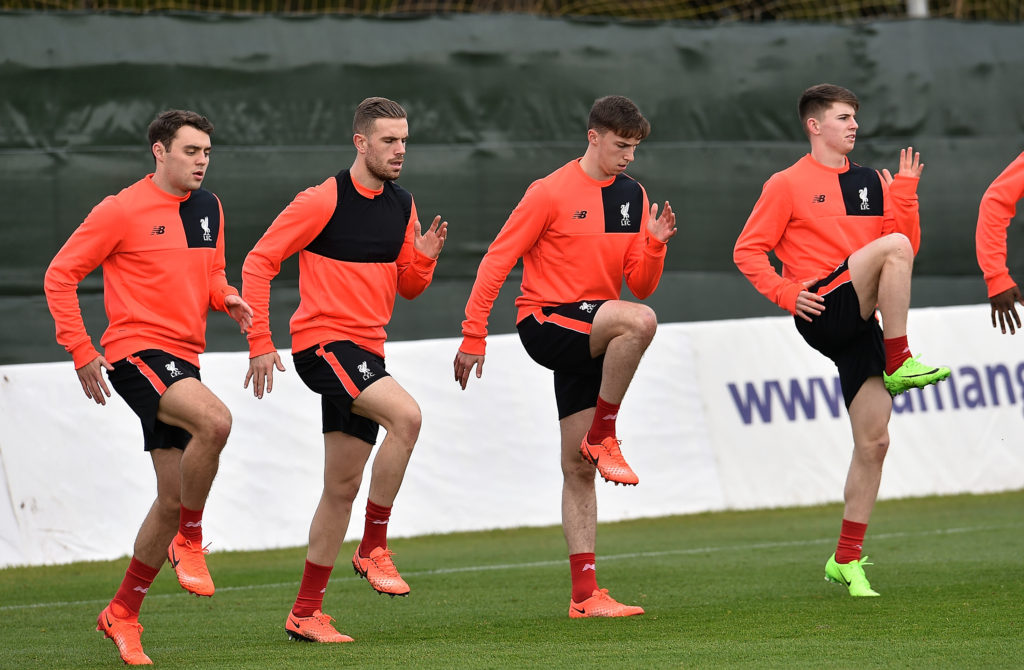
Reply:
x=173, y=369
x=863, y=193
x=624, y=211
x=205, y=225
x=365, y=369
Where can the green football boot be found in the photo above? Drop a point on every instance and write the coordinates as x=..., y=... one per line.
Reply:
x=850, y=575
x=913, y=375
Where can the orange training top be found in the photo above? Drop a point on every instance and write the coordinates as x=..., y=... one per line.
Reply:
x=163, y=270
x=813, y=217
x=356, y=250
x=578, y=237
x=998, y=206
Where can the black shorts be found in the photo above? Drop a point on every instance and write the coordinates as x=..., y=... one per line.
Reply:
x=141, y=380
x=559, y=339
x=339, y=372
x=856, y=346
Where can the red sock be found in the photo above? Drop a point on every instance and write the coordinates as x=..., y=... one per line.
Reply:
x=375, y=530
x=190, y=525
x=851, y=540
x=603, y=426
x=137, y=580
x=584, y=576
x=896, y=351
x=312, y=588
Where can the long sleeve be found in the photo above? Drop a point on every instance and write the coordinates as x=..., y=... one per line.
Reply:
x=415, y=270
x=521, y=231
x=760, y=235
x=998, y=207
x=219, y=287
x=292, y=230
x=94, y=240
x=905, y=209
x=645, y=260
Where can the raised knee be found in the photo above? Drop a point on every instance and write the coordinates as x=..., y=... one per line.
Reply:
x=646, y=322
x=217, y=428
x=900, y=245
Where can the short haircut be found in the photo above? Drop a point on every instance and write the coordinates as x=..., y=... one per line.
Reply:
x=819, y=98
x=371, y=109
x=619, y=115
x=166, y=125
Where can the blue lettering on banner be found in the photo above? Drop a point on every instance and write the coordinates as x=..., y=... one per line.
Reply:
x=807, y=399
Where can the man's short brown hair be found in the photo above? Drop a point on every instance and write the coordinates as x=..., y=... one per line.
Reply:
x=619, y=115
x=371, y=109
x=166, y=125
x=820, y=97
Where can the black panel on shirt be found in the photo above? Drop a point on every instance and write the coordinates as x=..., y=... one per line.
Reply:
x=200, y=216
x=365, y=230
x=623, y=205
x=862, y=191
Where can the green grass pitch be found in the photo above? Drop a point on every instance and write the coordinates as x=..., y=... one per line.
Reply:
x=729, y=590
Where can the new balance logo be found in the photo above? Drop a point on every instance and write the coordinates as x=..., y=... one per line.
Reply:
x=158, y=230
x=204, y=223
x=365, y=369
x=579, y=214
x=587, y=307
x=609, y=417
x=818, y=198
x=193, y=524
x=624, y=211
x=379, y=523
x=589, y=566
x=141, y=590
x=173, y=369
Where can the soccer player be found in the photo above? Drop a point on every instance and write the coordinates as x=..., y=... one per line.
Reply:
x=161, y=244
x=998, y=207
x=846, y=237
x=359, y=241
x=580, y=231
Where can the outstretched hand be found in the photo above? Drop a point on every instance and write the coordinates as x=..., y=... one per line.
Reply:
x=464, y=366
x=431, y=242
x=662, y=227
x=261, y=372
x=238, y=310
x=1004, y=304
x=93, y=383
x=910, y=165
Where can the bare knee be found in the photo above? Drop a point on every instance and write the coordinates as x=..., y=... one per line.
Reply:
x=216, y=427
x=406, y=424
x=900, y=246
x=646, y=323
x=873, y=450
x=342, y=490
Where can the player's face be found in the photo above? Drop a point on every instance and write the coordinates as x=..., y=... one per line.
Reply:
x=181, y=167
x=385, y=148
x=614, y=152
x=838, y=127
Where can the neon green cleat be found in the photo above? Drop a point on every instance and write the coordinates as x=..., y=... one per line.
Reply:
x=850, y=575
x=913, y=375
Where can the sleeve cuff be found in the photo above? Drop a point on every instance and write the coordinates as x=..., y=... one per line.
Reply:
x=474, y=346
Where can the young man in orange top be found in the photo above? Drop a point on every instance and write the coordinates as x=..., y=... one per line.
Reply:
x=359, y=242
x=580, y=231
x=998, y=207
x=161, y=245
x=846, y=237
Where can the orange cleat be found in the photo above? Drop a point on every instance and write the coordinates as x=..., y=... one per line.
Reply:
x=381, y=572
x=601, y=605
x=608, y=460
x=316, y=628
x=189, y=563
x=126, y=633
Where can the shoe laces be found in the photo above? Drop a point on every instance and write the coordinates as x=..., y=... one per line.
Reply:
x=612, y=447
x=323, y=617
x=191, y=547
x=385, y=564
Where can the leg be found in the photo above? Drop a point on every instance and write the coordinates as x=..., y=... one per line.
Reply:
x=622, y=331
x=880, y=271
x=579, y=498
x=392, y=407
x=161, y=523
x=869, y=417
x=344, y=459
x=192, y=406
